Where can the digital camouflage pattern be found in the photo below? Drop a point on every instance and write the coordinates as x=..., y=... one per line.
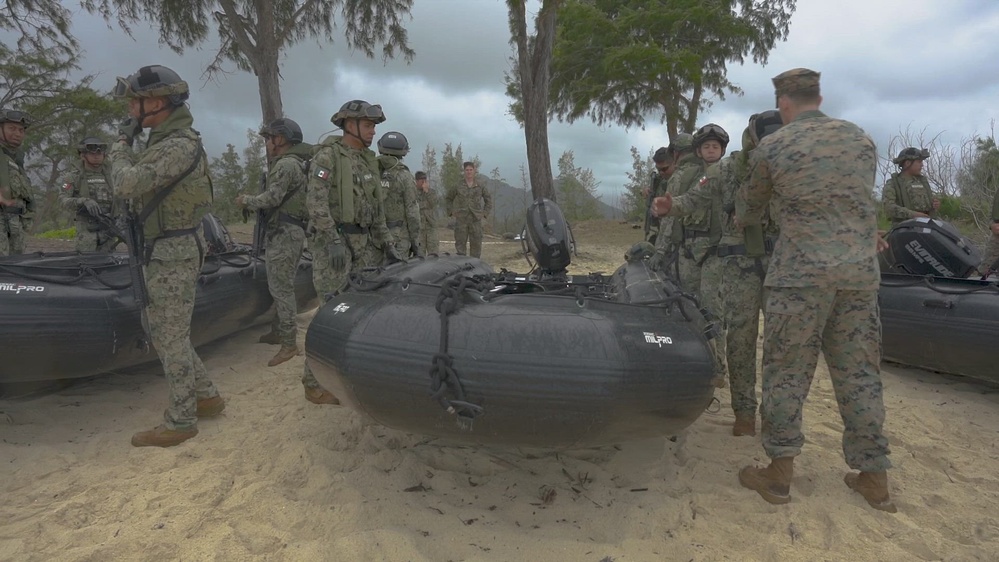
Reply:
x=402, y=210
x=428, y=220
x=175, y=262
x=658, y=188
x=285, y=239
x=469, y=205
x=83, y=184
x=903, y=196
x=816, y=173
x=796, y=80
x=16, y=220
x=344, y=192
x=690, y=234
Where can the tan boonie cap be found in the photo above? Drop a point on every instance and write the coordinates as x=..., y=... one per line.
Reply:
x=795, y=80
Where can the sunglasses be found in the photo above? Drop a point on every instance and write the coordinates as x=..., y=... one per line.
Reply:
x=95, y=149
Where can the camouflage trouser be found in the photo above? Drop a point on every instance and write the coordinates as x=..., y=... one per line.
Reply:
x=845, y=327
x=328, y=280
x=171, y=281
x=742, y=293
x=991, y=253
x=711, y=299
x=401, y=240
x=284, y=250
x=12, y=236
x=92, y=241
x=468, y=230
x=428, y=238
x=690, y=271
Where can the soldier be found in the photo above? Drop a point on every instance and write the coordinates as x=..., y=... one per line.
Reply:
x=169, y=191
x=17, y=203
x=665, y=163
x=688, y=169
x=346, y=218
x=284, y=203
x=907, y=193
x=823, y=278
x=470, y=204
x=87, y=191
x=402, y=211
x=427, y=199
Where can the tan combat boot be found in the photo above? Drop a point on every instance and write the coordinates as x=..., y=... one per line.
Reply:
x=874, y=487
x=319, y=395
x=773, y=483
x=270, y=337
x=210, y=407
x=745, y=424
x=285, y=353
x=160, y=436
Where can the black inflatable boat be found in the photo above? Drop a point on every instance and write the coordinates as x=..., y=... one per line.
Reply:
x=68, y=315
x=936, y=312
x=446, y=347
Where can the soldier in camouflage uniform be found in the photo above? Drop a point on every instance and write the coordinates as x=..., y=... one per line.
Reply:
x=284, y=203
x=168, y=182
x=907, y=193
x=402, y=211
x=427, y=199
x=689, y=169
x=665, y=162
x=346, y=217
x=17, y=202
x=823, y=279
x=469, y=204
x=88, y=193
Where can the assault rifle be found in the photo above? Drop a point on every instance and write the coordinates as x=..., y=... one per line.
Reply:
x=260, y=226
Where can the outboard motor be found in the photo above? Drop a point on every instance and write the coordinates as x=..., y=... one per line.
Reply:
x=217, y=237
x=548, y=237
x=925, y=246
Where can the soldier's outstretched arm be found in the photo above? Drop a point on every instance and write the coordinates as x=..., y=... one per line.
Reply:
x=282, y=177
x=157, y=167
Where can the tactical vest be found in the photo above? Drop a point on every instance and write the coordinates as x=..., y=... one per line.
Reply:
x=82, y=188
x=902, y=195
x=189, y=200
x=358, y=191
x=301, y=154
x=393, y=201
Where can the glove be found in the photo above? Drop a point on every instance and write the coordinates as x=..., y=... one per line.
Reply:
x=415, y=250
x=657, y=261
x=338, y=256
x=130, y=128
x=93, y=209
x=392, y=255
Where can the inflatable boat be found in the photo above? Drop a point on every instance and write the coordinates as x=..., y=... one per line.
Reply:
x=447, y=347
x=69, y=315
x=936, y=311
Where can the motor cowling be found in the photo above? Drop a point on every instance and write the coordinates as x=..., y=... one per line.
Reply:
x=548, y=237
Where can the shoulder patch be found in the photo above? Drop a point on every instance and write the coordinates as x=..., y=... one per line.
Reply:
x=67, y=187
x=321, y=173
x=703, y=180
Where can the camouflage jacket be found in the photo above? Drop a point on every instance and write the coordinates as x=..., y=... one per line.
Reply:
x=428, y=208
x=399, y=193
x=344, y=189
x=82, y=184
x=707, y=199
x=172, y=149
x=14, y=185
x=905, y=195
x=816, y=174
x=689, y=170
x=469, y=201
x=286, y=175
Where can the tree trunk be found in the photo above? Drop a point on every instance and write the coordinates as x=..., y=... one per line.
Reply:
x=269, y=83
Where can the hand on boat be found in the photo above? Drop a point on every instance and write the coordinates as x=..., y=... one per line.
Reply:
x=240, y=202
x=882, y=244
x=662, y=205
x=392, y=255
x=415, y=250
x=338, y=256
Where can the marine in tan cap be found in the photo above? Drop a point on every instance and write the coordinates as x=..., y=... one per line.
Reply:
x=815, y=172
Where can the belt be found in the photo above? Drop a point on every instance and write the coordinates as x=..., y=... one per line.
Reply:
x=740, y=249
x=286, y=218
x=12, y=210
x=393, y=224
x=177, y=233
x=690, y=234
x=354, y=229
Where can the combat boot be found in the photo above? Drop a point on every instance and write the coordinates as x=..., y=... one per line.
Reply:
x=773, y=483
x=210, y=407
x=270, y=337
x=285, y=353
x=874, y=487
x=745, y=424
x=160, y=436
x=319, y=395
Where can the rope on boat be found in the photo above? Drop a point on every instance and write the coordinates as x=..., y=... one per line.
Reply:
x=443, y=376
x=930, y=282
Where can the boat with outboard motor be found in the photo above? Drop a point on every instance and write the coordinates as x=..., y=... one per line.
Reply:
x=70, y=315
x=545, y=359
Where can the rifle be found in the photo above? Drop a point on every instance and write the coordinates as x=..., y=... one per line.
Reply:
x=134, y=238
x=260, y=226
x=648, y=204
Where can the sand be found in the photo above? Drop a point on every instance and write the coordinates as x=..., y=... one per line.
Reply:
x=278, y=478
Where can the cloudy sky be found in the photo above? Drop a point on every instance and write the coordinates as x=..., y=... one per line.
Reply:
x=886, y=65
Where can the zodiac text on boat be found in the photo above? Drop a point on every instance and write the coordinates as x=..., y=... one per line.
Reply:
x=652, y=337
x=17, y=289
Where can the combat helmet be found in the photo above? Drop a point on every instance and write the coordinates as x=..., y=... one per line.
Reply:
x=152, y=82
x=710, y=132
x=682, y=143
x=286, y=128
x=358, y=109
x=92, y=145
x=763, y=124
x=16, y=116
x=911, y=153
x=393, y=143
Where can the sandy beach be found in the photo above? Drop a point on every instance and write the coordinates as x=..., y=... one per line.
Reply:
x=278, y=478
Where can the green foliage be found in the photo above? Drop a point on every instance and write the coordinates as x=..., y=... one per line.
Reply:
x=978, y=182
x=451, y=171
x=950, y=208
x=617, y=61
x=633, y=202
x=228, y=181
x=40, y=24
x=60, y=234
x=577, y=190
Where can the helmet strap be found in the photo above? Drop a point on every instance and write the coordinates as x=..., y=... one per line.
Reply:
x=143, y=114
x=357, y=125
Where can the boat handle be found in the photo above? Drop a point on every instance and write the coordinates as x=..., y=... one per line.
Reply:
x=938, y=303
